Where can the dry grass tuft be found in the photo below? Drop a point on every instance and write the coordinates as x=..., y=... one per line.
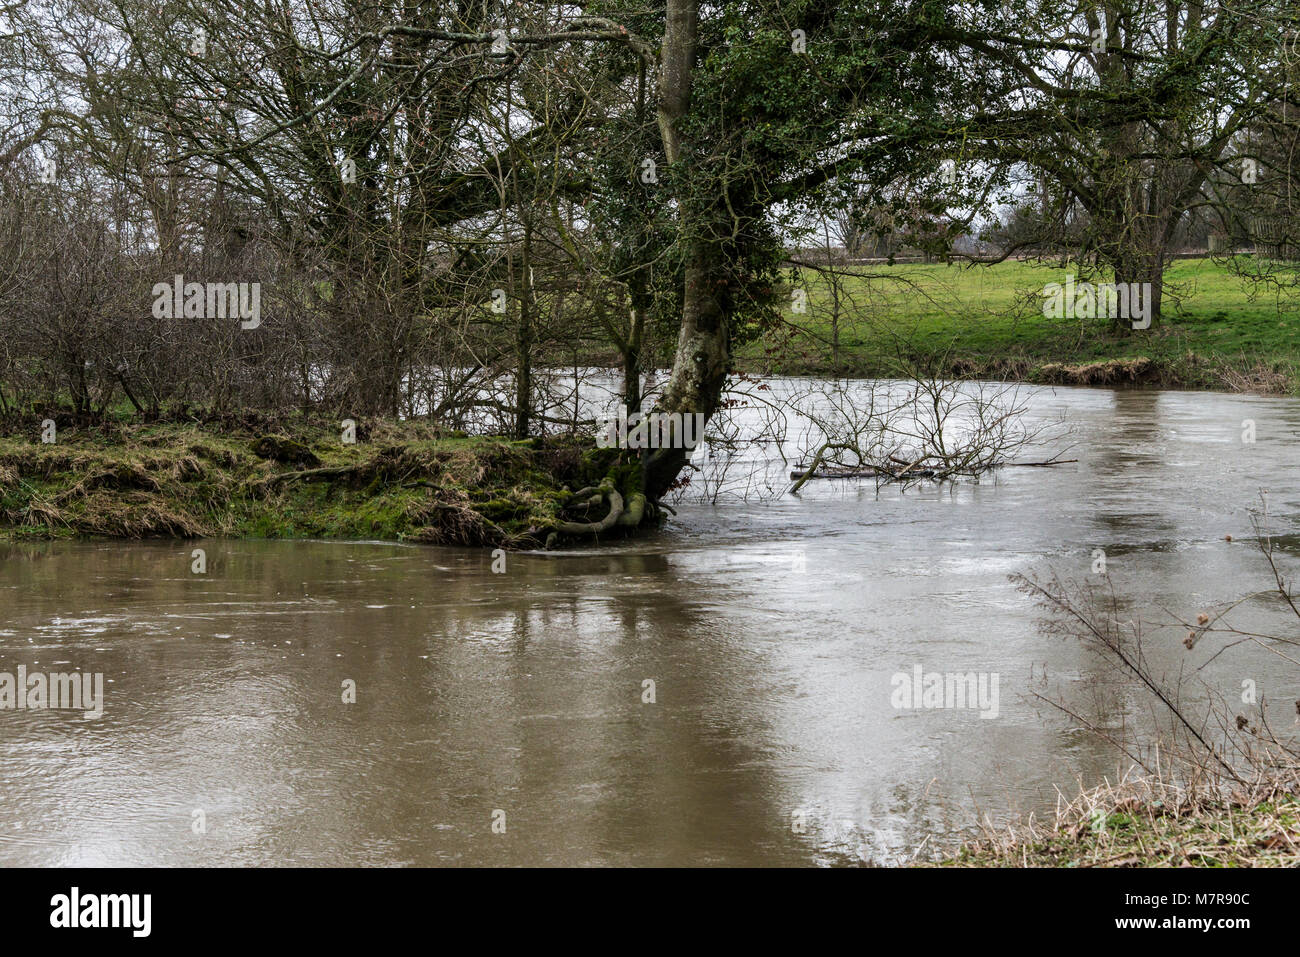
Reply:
x=1148, y=822
x=1107, y=372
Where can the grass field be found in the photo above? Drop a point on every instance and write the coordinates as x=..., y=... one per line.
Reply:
x=1217, y=330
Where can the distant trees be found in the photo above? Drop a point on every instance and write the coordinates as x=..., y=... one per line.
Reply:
x=1122, y=117
x=1260, y=207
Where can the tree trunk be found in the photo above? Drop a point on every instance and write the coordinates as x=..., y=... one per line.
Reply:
x=524, y=341
x=702, y=360
x=701, y=364
x=1144, y=274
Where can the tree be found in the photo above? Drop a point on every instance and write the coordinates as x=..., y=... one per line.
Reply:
x=1123, y=111
x=762, y=107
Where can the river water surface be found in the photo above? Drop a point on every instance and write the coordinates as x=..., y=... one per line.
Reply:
x=770, y=630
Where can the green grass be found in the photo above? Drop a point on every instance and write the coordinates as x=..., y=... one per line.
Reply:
x=1217, y=330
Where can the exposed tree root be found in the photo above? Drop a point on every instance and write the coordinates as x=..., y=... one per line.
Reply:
x=606, y=492
x=635, y=511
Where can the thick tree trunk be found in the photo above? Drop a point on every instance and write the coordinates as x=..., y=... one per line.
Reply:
x=677, y=69
x=700, y=366
x=1144, y=274
x=703, y=357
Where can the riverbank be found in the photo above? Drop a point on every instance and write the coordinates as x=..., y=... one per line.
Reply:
x=398, y=482
x=1146, y=825
x=1218, y=332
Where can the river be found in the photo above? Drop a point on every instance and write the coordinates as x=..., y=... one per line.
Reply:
x=771, y=630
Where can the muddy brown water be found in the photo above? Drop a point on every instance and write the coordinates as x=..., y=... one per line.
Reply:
x=771, y=630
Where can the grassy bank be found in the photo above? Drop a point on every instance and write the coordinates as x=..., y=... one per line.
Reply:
x=1218, y=332
x=1146, y=825
x=399, y=482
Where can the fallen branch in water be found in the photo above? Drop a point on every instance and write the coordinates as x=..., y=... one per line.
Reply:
x=866, y=471
x=875, y=471
x=935, y=430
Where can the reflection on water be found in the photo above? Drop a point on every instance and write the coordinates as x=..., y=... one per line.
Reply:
x=771, y=633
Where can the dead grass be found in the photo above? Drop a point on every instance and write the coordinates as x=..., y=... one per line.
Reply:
x=400, y=481
x=1147, y=822
x=1267, y=378
x=1105, y=372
